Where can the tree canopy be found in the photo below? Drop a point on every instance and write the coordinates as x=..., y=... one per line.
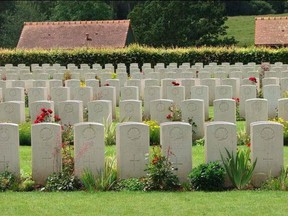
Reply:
x=180, y=23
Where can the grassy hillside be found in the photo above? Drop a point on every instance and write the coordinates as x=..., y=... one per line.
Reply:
x=242, y=28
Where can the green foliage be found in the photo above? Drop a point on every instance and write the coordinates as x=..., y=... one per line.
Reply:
x=105, y=179
x=81, y=10
x=207, y=177
x=132, y=184
x=239, y=168
x=160, y=174
x=140, y=54
x=285, y=129
x=62, y=181
x=242, y=137
x=199, y=142
x=8, y=181
x=279, y=183
x=179, y=23
x=154, y=130
x=25, y=134
x=110, y=134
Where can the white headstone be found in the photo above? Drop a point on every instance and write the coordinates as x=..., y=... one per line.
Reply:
x=89, y=148
x=13, y=111
x=132, y=146
x=267, y=148
x=130, y=110
x=218, y=137
x=272, y=94
x=70, y=112
x=255, y=110
x=223, y=92
x=14, y=94
x=159, y=109
x=202, y=93
x=246, y=92
x=176, y=142
x=9, y=148
x=100, y=111
x=85, y=94
x=37, y=94
x=129, y=93
x=193, y=110
x=282, y=108
x=108, y=93
x=225, y=110
x=35, y=109
x=46, y=141
x=150, y=93
x=177, y=94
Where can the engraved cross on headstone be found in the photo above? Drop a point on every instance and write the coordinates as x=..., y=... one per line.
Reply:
x=268, y=159
x=134, y=161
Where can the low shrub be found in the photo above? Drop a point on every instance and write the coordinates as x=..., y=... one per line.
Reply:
x=207, y=177
x=160, y=174
x=62, y=181
x=25, y=134
x=131, y=184
x=154, y=129
x=8, y=181
x=285, y=129
x=279, y=183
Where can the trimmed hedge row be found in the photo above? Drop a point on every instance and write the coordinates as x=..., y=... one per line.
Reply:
x=141, y=54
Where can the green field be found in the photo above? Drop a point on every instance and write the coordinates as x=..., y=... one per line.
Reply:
x=242, y=28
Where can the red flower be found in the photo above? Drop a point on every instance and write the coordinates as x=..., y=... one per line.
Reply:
x=50, y=111
x=253, y=79
x=169, y=116
x=236, y=99
x=249, y=145
x=175, y=83
x=43, y=110
x=57, y=118
x=36, y=121
x=155, y=160
x=106, y=84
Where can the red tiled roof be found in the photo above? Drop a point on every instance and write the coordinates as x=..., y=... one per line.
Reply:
x=271, y=31
x=74, y=34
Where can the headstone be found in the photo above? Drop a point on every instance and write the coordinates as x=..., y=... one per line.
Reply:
x=9, y=148
x=211, y=83
x=108, y=93
x=255, y=110
x=130, y=110
x=177, y=94
x=164, y=84
x=193, y=110
x=272, y=94
x=84, y=94
x=115, y=83
x=218, y=137
x=37, y=94
x=132, y=146
x=223, y=92
x=270, y=81
x=246, y=92
x=89, y=148
x=70, y=112
x=235, y=84
x=129, y=93
x=267, y=148
x=12, y=111
x=35, y=109
x=150, y=93
x=187, y=84
x=72, y=84
x=202, y=93
x=225, y=110
x=282, y=108
x=135, y=82
x=55, y=84
x=176, y=143
x=284, y=86
x=46, y=142
x=159, y=109
x=14, y=94
x=95, y=85
x=100, y=111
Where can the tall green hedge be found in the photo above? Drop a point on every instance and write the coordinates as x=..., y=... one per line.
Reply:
x=140, y=54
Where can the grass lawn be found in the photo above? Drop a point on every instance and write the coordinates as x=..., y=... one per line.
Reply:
x=142, y=203
x=243, y=28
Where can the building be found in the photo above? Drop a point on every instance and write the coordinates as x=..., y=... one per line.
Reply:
x=271, y=31
x=76, y=34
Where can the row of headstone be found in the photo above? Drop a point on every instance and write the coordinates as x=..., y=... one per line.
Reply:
x=132, y=148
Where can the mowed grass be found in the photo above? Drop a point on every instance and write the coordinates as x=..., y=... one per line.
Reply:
x=243, y=28
x=144, y=203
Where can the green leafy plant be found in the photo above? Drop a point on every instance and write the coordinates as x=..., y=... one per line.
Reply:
x=105, y=179
x=242, y=137
x=239, y=168
x=25, y=134
x=160, y=174
x=8, y=181
x=208, y=177
x=109, y=134
x=154, y=129
x=285, y=128
x=279, y=183
x=175, y=113
x=62, y=181
x=131, y=184
x=199, y=142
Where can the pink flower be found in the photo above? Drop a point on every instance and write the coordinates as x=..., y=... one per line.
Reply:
x=169, y=116
x=236, y=99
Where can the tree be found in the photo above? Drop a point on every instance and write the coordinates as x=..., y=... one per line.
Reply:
x=180, y=23
x=13, y=20
x=81, y=10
